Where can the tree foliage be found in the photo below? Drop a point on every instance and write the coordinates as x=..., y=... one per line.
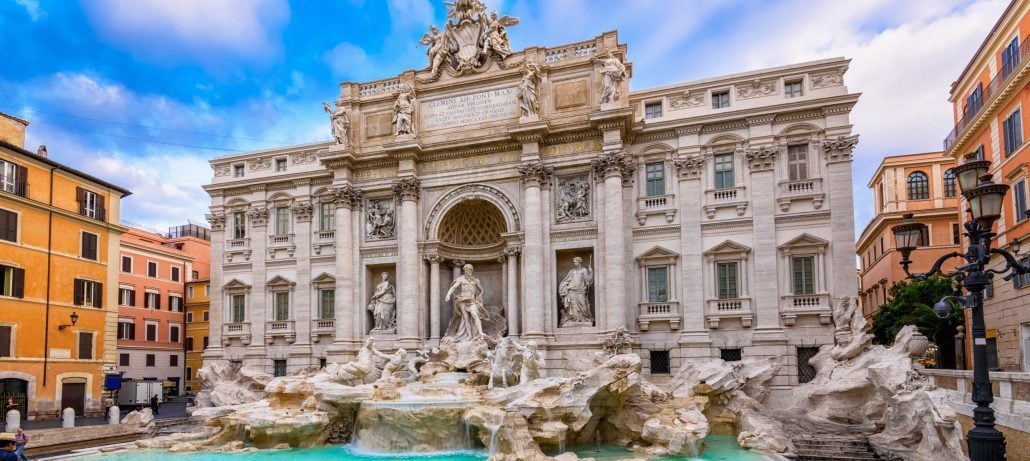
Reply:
x=911, y=303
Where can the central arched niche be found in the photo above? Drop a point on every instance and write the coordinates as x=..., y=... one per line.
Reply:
x=472, y=230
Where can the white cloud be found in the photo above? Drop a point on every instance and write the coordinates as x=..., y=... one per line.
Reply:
x=191, y=29
x=349, y=61
x=32, y=7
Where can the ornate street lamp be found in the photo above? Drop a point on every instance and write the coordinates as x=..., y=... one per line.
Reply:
x=984, y=198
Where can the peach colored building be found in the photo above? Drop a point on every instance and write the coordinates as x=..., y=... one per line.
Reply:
x=987, y=100
x=921, y=184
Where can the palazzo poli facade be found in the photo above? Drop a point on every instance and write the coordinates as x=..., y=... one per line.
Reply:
x=709, y=218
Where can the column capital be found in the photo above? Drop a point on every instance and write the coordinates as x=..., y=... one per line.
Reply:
x=302, y=211
x=690, y=167
x=840, y=149
x=457, y=263
x=513, y=250
x=345, y=196
x=432, y=258
x=613, y=163
x=217, y=220
x=407, y=189
x=762, y=158
x=536, y=173
x=258, y=215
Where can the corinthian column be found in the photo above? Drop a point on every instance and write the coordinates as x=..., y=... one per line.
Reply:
x=614, y=167
x=533, y=177
x=763, y=205
x=434, y=296
x=692, y=299
x=838, y=154
x=406, y=190
x=347, y=198
x=512, y=254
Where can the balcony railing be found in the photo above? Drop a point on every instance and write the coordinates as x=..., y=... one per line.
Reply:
x=657, y=204
x=667, y=311
x=238, y=243
x=325, y=236
x=989, y=92
x=719, y=309
x=728, y=195
x=802, y=302
x=279, y=326
x=239, y=330
x=323, y=325
x=801, y=187
x=280, y=240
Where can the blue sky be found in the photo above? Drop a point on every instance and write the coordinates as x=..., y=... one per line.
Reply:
x=144, y=92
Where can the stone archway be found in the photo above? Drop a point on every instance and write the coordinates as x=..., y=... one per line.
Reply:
x=490, y=194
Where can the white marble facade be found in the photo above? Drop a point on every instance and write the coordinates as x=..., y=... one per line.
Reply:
x=658, y=193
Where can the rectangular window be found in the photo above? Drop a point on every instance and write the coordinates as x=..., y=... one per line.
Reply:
x=205, y=316
x=189, y=377
x=8, y=226
x=321, y=362
x=173, y=333
x=797, y=162
x=655, y=178
x=189, y=344
x=326, y=217
x=724, y=171
x=727, y=278
x=282, y=306
x=194, y=275
x=189, y=292
x=175, y=274
x=720, y=99
x=792, y=89
x=278, y=368
x=730, y=355
x=806, y=372
x=151, y=269
x=239, y=225
x=653, y=110
x=280, y=164
x=189, y=317
x=1010, y=58
x=660, y=363
x=1019, y=199
x=91, y=205
x=6, y=341
x=12, y=281
x=85, y=346
x=126, y=330
x=1022, y=280
x=282, y=220
x=152, y=332
x=12, y=178
x=127, y=264
x=804, y=274
x=151, y=360
x=173, y=360
x=123, y=360
x=1013, y=132
x=238, y=308
x=974, y=102
x=205, y=342
x=152, y=300
x=88, y=293
x=237, y=171
x=175, y=303
x=327, y=304
x=657, y=284
x=88, y=249
x=956, y=234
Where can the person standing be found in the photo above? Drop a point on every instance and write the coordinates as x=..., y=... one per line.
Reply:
x=20, y=439
x=153, y=405
x=7, y=444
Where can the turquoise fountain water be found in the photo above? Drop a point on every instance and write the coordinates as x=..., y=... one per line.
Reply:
x=717, y=448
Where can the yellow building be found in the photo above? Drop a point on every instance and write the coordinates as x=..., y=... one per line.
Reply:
x=58, y=311
x=197, y=307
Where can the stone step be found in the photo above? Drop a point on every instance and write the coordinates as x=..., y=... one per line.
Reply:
x=857, y=451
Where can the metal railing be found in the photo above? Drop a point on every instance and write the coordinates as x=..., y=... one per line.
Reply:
x=989, y=92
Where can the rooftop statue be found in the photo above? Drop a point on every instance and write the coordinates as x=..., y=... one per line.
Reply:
x=339, y=123
x=470, y=39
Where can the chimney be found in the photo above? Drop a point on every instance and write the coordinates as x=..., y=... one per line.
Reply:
x=41, y=151
x=12, y=129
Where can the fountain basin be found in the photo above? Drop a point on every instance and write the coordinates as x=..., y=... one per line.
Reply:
x=412, y=426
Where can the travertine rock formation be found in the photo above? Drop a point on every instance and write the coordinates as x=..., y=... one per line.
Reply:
x=226, y=383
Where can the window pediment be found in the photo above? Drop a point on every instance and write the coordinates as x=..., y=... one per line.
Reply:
x=280, y=282
x=236, y=286
x=657, y=256
x=727, y=249
x=805, y=243
x=324, y=280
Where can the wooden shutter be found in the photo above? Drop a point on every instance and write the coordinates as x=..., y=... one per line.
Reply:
x=98, y=294
x=8, y=225
x=157, y=303
x=80, y=196
x=5, y=341
x=21, y=176
x=78, y=292
x=86, y=346
x=101, y=211
x=132, y=298
x=171, y=303
x=18, y=283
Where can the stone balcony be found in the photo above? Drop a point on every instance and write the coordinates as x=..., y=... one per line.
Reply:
x=240, y=330
x=322, y=327
x=729, y=308
x=656, y=205
x=237, y=249
x=281, y=243
x=667, y=311
x=806, y=189
x=731, y=197
x=793, y=306
x=321, y=240
x=280, y=329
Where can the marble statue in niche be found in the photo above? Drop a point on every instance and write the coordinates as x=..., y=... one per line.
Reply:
x=573, y=291
x=527, y=96
x=573, y=199
x=468, y=304
x=383, y=306
x=613, y=72
x=339, y=123
x=403, y=114
x=380, y=223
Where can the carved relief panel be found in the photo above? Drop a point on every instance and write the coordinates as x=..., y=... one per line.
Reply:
x=572, y=199
x=380, y=219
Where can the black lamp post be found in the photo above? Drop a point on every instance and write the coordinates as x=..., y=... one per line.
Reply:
x=985, y=200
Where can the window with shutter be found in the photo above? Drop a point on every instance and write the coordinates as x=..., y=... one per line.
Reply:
x=205, y=342
x=173, y=333
x=89, y=246
x=151, y=360
x=8, y=177
x=189, y=344
x=123, y=360
x=151, y=332
x=85, y=346
x=6, y=341
x=12, y=281
x=8, y=226
x=78, y=288
x=152, y=269
x=127, y=264
x=175, y=274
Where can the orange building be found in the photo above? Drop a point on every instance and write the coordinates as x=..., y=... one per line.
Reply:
x=154, y=271
x=198, y=305
x=987, y=101
x=58, y=240
x=920, y=184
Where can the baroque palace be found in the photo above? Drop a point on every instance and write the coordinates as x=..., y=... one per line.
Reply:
x=711, y=218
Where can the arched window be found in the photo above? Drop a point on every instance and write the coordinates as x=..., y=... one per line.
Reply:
x=949, y=183
x=918, y=186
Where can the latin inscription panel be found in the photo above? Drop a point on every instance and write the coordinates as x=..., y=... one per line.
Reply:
x=467, y=109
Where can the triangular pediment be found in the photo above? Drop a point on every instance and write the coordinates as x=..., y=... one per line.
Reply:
x=235, y=284
x=728, y=246
x=280, y=282
x=658, y=252
x=805, y=240
x=324, y=278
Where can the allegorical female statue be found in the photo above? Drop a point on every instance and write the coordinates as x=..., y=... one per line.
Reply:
x=468, y=304
x=613, y=73
x=339, y=123
x=573, y=291
x=527, y=95
x=403, y=113
x=383, y=306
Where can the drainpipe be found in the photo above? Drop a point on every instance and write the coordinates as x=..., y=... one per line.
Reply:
x=49, y=251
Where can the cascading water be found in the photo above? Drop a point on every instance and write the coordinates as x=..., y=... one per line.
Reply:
x=493, y=422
